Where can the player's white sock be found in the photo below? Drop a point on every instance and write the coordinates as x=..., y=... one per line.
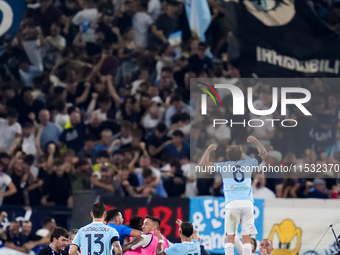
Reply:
x=246, y=249
x=229, y=249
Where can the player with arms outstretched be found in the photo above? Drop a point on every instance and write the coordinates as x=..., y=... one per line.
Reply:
x=236, y=174
x=96, y=237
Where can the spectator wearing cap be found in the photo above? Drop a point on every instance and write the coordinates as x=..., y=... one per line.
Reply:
x=141, y=22
x=105, y=21
x=26, y=104
x=88, y=149
x=177, y=149
x=10, y=131
x=48, y=131
x=177, y=106
x=319, y=191
x=74, y=136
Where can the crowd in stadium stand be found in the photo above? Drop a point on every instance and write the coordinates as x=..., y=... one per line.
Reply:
x=93, y=96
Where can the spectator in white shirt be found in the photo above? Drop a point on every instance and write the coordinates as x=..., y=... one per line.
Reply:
x=10, y=131
x=85, y=18
x=259, y=187
x=6, y=183
x=141, y=23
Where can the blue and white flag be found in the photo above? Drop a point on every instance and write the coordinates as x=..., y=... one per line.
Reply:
x=199, y=17
x=11, y=14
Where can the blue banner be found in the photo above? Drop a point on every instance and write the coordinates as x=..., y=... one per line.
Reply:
x=207, y=215
x=11, y=14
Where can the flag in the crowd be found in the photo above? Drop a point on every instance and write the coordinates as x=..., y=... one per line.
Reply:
x=281, y=38
x=199, y=17
x=11, y=14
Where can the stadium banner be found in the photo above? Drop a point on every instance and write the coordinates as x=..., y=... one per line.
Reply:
x=167, y=210
x=296, y=226
x=207, y=216
x=11, y=14
x=281, y=38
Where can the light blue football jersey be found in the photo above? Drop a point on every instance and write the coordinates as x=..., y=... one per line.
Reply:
x=96, y=239
x=185, y=248
x=237, y=178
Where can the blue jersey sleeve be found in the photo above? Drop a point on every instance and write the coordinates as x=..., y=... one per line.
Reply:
x=76, y=240
x=174, y=250
x=126, y=231
x=254, y=161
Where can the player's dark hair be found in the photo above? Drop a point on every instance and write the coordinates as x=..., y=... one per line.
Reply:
x=98, y=209
x=111, y=214
x=136, y=222
x=187, y=228
x=154, y=219
x=58, y=232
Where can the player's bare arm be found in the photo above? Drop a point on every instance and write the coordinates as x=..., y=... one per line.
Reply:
x=262, y=151
x=117, y=249
x=135, y=240
x=73, y=250
x=205, y=159
x=160, y=250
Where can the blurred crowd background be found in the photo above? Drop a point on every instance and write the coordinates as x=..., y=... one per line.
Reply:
x=95, y=94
